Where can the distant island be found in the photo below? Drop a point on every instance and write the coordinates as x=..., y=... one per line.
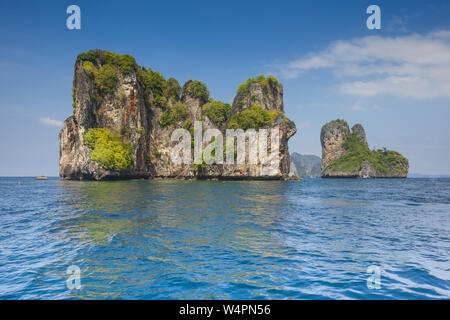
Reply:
x=306, y=165
x=124, y=115
x=346, y=154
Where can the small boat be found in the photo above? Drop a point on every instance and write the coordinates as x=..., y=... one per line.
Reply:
x=41, y=178
x=366, y=176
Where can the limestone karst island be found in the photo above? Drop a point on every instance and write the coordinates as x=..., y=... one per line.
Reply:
x=346, y=154
x=124, y=116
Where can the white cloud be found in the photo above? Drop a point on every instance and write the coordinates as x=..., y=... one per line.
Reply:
x=397, y=24
x=358, y=106
x=444, y=34
x=413, y=66
x=51, y=122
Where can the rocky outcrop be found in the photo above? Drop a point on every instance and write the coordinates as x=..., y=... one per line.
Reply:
x=359, y=132
x=332, y=137
x=124, y=116
x=346, y=154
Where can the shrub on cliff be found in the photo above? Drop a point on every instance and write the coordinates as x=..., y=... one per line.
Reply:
x=253, y=118
x=89, y=68
x=152, y=83
x=108, y=149
x=387, y=160
x=217, y=111
x=262, y=80
x=97, y=57
x=156, y=82
x=104, y=67
x=174, y=114
x=105, y=78
x=198, y=89
x=74, y=97
x=162, y=90
x=173, y=89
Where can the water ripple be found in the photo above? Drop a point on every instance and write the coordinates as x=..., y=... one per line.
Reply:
x=311, y=239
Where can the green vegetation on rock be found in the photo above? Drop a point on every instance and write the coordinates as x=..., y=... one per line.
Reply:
x=262, y=80
x=108, y=149
x=153, y=82
x=124, y=62
x=387, y=160
x=217, y=111
x=174, y=114
x=253, y=118
x=356, y=152
x=74, y=97
x=199, y=167
x=104, y=68
x=90, y=69
x=105, y=78
x=173, y=88
x=198, y=89
x=342, y=122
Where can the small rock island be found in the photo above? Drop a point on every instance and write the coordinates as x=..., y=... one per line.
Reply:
x=346, y=154
x=124, y=114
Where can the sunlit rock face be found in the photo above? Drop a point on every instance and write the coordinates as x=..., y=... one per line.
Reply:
x=332, y=137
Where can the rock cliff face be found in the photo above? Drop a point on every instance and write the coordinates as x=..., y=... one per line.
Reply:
x=124, y=116
x=346, y=154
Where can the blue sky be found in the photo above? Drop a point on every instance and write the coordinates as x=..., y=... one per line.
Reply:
x=395, y=81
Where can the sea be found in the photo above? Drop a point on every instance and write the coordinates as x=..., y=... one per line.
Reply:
x=146, y=239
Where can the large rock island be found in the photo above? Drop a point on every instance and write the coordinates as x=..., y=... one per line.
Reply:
x=124, y=115
x=346, y=154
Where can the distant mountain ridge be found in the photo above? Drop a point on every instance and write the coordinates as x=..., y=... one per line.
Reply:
x=308, y=165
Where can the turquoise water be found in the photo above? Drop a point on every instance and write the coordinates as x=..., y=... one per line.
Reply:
x=311, y=239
